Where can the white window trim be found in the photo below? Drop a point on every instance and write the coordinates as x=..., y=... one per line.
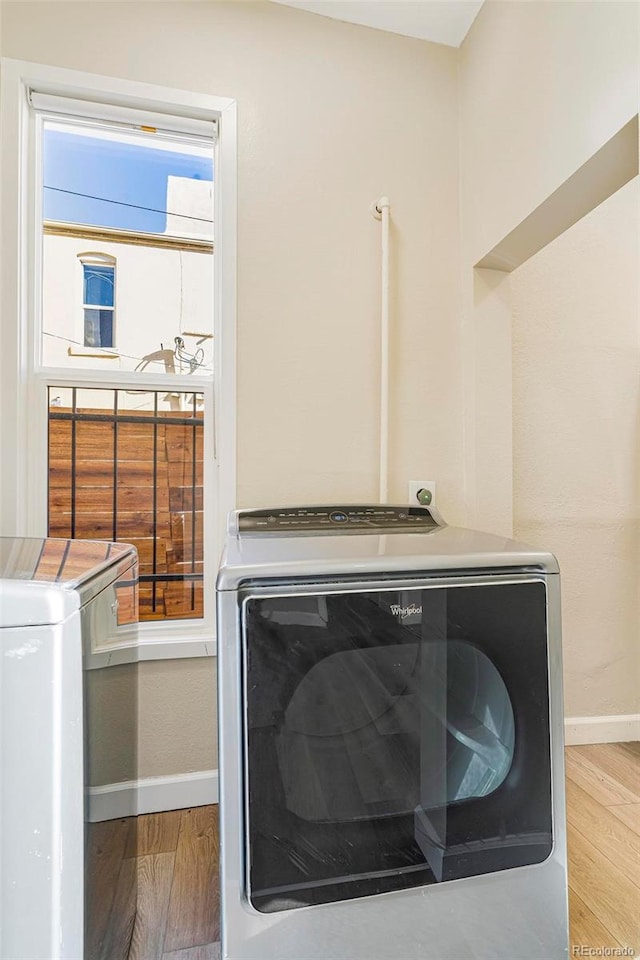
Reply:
x=23, y=423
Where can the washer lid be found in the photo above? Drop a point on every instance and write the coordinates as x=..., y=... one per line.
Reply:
x=42, y=580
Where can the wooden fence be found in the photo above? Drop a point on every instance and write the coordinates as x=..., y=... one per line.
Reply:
x=136, y=477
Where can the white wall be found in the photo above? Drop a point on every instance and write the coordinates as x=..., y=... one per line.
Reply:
x=576, y=440
x=542, y=87
x=176, y=732
x=159, y=294
x=331, y=116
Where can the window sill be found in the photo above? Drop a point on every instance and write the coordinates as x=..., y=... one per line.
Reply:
x=153, y=647
x=94, y=352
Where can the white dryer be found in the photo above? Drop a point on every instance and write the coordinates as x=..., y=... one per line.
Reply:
x=391, y=740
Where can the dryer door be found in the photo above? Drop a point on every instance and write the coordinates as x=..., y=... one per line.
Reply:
x=394, y=738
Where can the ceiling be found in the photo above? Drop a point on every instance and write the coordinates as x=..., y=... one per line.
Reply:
x=442, y=21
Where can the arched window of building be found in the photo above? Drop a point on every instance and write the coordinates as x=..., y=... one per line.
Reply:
x=98, y=298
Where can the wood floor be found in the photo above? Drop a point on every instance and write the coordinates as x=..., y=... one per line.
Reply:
x=175, y=860
x=603, y=815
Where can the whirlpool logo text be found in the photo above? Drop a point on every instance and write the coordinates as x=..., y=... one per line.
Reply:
x=404, y=612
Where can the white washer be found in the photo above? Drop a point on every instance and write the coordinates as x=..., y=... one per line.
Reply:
x=391, y=740
x=59, y=608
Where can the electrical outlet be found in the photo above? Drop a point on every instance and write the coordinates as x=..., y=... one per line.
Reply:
x=415, y=486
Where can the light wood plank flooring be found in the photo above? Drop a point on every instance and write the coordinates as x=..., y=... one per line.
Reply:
x=177, y=863
x=603, y=816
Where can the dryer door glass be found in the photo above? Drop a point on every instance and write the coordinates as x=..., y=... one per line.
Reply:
x=394, y=738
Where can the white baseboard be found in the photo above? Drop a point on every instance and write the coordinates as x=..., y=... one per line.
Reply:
x=617, y=729
x=152, y=795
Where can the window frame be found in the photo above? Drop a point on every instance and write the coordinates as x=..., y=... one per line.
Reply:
x=24, y=380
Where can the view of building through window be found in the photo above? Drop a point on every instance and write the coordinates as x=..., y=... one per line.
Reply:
x=144, y=202
x=127, y=287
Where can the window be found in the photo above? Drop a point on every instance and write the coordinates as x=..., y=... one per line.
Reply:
x=98, y=299
x=147, y=197
x=117, y=435
x=127, y=464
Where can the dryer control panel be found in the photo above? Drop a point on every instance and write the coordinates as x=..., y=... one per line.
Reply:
x=363, y=518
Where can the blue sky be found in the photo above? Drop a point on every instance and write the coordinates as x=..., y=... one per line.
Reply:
x=115, y=170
